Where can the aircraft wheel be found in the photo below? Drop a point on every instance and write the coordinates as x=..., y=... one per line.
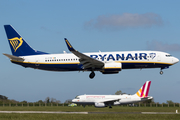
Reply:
x=110, y=107
x=92, y=74
x=161, y=72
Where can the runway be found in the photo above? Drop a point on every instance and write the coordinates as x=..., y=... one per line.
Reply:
x=47, y=112
x=59, y=112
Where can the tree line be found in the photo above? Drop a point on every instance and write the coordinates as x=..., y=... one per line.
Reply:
x=5, y=100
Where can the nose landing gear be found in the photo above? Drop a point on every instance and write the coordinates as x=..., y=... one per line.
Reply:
x=161, y=72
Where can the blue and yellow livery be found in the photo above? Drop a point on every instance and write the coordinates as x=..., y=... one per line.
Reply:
x=105, y=62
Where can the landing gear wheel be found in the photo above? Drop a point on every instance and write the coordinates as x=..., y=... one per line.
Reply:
x=110, y=107
x=92, y=74
x=161, y=72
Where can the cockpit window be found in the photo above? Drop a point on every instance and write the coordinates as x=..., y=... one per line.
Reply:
x=168, y=55
x=77, y=97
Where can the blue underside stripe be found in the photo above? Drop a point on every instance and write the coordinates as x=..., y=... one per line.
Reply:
x=79, y=67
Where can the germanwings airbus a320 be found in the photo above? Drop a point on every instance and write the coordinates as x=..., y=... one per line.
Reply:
x=105, y=62
x=101, y=101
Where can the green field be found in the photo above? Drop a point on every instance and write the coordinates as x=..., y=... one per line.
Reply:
x=15, y=116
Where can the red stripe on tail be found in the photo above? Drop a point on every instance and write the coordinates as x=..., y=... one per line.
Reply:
x=147, y=91
x=143, y=89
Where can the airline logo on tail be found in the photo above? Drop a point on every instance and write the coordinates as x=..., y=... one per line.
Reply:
x=16, y=42
x=144, y=90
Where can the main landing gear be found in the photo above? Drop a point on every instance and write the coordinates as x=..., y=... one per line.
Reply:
x=91, y=75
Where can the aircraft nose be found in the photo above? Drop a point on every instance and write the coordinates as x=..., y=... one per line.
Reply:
x=176, y=60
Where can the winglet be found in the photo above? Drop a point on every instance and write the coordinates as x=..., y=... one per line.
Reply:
x=69, y=45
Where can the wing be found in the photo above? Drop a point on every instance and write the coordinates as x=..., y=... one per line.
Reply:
x=12, y=57
x=86, y=61
x=108, y=101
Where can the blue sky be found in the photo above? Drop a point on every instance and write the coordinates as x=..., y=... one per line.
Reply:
x=90, y=26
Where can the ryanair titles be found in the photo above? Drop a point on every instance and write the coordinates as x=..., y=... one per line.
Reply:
x=116, y=57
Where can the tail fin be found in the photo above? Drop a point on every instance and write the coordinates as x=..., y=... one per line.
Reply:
x=144, y=90
x=18, y=45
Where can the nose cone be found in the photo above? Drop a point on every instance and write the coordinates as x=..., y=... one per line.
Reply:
x=175, y=60
x=73, y=100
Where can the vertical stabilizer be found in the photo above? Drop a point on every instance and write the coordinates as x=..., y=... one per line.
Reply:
x=18, y=45
x=144, y=90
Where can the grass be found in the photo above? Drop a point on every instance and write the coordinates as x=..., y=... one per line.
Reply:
x=14, y=116
x=92, y=109
x=87, y=117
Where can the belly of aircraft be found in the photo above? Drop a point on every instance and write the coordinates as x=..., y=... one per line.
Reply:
x=79, y=67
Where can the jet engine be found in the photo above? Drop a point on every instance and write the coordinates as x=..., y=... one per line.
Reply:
x=110, y=68
x=100, y=105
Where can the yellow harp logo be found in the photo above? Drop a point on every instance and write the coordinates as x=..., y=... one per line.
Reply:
x=16, y=42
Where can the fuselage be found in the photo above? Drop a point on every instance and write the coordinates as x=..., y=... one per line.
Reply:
x=110, y=100
x=116, y=99
x=70, y=62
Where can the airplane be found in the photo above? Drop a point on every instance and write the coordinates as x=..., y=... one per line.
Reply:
x=105, y=62
x=101, y=101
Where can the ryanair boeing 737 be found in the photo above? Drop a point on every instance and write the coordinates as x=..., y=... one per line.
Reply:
x=105, y=62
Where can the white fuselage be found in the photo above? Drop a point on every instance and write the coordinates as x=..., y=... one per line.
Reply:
x=128, y=59
x=116, y=99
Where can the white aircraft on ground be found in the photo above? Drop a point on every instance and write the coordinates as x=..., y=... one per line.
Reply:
x=105, y=62
x=101, y=101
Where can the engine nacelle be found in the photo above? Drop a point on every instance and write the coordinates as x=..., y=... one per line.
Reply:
x=110, y=68
x=100, y=105
x=117, y=103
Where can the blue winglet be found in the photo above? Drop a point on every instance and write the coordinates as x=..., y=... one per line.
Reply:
x=69, y=45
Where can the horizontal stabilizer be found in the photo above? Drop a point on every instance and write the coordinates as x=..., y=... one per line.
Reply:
x=12, y=57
